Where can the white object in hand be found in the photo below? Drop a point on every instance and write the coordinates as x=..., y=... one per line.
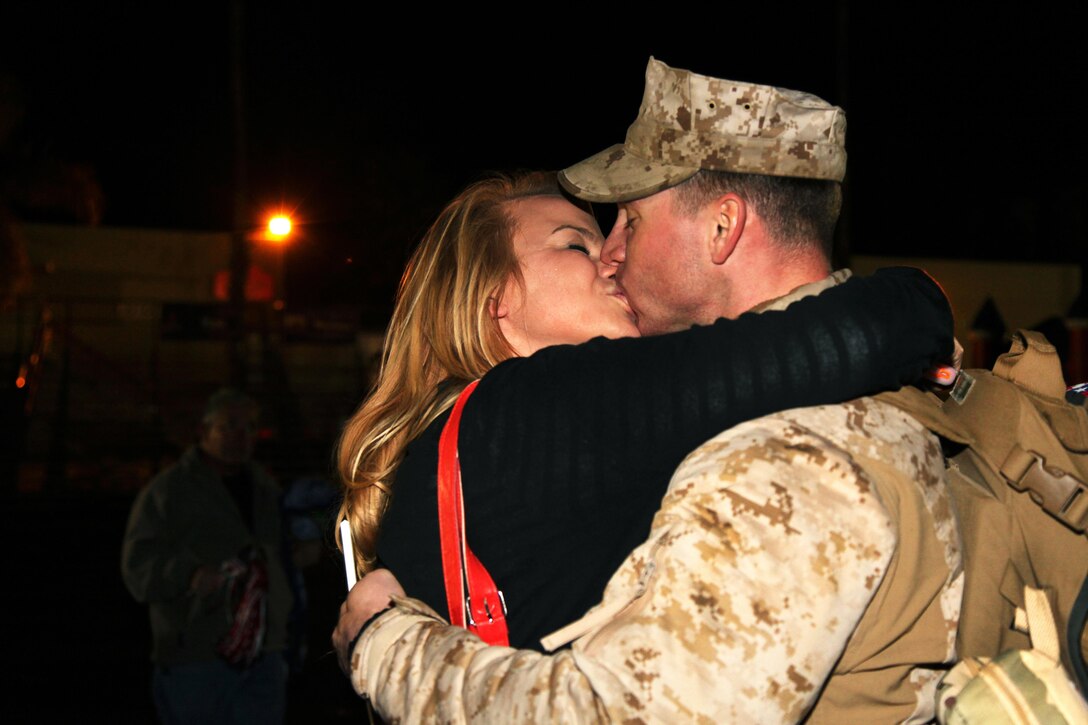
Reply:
x=349, y=553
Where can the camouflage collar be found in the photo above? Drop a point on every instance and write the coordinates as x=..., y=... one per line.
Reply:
x=806, y=290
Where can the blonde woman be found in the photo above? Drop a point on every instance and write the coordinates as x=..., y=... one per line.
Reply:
x=568, y=443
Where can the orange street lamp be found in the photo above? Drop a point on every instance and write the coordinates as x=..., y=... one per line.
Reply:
x=279, y=227
x=278, y=230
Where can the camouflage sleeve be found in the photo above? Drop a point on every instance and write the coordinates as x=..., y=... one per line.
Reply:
x=417, y=668
x=762, y=559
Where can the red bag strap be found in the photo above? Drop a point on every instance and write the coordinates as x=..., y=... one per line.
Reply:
x=486, y=609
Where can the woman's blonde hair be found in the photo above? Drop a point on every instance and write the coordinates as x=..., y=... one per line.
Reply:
x=442, y=328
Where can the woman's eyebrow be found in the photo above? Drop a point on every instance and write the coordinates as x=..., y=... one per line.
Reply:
x=581, y=230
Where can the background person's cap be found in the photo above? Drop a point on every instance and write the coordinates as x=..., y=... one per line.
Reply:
x=689, y=122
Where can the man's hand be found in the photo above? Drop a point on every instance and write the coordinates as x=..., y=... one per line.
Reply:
x=205, y=580
x=370, y=596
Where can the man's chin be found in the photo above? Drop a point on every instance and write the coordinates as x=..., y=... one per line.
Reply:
x=648, y=326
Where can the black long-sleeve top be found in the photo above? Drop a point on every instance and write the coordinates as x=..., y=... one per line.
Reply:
x=565, y=454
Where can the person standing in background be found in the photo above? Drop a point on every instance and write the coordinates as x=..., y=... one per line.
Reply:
x=202, y=549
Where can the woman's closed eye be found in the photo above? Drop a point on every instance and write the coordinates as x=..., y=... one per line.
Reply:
x=579, y=247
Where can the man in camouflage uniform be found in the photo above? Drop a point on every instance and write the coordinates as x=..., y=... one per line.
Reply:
x=802, y=564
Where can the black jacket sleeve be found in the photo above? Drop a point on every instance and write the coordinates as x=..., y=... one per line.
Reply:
x=604, y=414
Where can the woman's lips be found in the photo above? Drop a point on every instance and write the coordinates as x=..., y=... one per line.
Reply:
x=619, y=295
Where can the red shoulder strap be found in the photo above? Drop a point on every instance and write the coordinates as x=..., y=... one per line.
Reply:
x=461, y=569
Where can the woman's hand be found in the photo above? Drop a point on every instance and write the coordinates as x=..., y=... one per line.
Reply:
x=370, y=596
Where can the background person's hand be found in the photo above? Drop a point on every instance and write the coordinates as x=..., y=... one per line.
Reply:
x=370, y=596
x=205, y=580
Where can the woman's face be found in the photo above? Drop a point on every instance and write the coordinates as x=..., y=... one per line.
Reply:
x=568, y=295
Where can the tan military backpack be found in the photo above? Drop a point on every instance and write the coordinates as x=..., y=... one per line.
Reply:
x=1018, y=463
x=1017, y=455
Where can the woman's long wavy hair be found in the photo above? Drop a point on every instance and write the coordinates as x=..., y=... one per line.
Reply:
x=442, y=329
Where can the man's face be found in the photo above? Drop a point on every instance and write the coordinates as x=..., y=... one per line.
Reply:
x=229, y=434
x=656, y=249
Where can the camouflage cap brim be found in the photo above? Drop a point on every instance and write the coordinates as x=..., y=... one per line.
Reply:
x=616, y=175
x=689, y=122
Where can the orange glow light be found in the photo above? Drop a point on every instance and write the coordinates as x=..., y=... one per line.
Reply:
x=279, y=226
x=20, y=382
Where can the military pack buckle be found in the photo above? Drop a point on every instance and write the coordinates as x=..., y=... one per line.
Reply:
x=1059, y=493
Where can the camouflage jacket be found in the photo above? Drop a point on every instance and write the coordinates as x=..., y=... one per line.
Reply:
x=804, y=562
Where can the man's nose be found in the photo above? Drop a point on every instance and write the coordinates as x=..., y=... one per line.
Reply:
x=614, y=251
x=605, y=269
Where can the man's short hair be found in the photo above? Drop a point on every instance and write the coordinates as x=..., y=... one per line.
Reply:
x=796, y=212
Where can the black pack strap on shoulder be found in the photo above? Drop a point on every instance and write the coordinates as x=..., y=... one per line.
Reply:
x=1061, y=494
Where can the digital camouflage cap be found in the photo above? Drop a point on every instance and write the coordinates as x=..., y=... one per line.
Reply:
x=689, y=122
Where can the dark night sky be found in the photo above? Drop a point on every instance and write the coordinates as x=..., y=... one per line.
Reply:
x=964, y=138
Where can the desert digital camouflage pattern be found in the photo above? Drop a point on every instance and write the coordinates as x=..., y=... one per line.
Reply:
x=805, y=562
x=689, y=122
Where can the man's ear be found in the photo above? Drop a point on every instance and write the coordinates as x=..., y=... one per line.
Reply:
x=730, y=216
